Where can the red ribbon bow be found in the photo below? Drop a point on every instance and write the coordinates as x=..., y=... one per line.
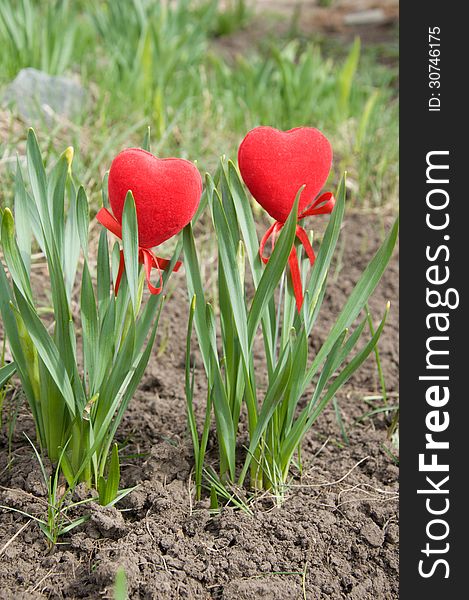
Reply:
x=321, y=206
x=145, y=256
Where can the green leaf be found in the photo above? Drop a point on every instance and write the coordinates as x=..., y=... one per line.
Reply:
x=11, y=331
x=73, y=524
x=295, y=435
x=130, y=246
x=228, y=259
x=189, y=382
x=213, y=498
x=106, y=343
x=83, y=219
x=89, y=320
x=346, y=76
x=273, y=270
x=112, y=484
x=246, y=222
x=6, y=372
x=120, y=585
x=147, y=140
x=248, y=230
x=12, y=255
x=300, y=353
x=22, y=220
x=316, y=285
x=104, y=188
x=358, y=298
x=71, y=256
x=348, y=371
x=273, y=397
x=120, y=400
x=56, y=199
x=103, y=275
x=195, y=288
x=102, y=484
x=37, y=177
x=221, y=404
x=47, y=350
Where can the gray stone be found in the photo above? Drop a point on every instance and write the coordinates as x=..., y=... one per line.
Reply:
x=373, y=16
x=372, y=534
x=39, y=96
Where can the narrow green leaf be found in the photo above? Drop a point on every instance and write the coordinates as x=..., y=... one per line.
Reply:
x=11, y=330
x=317, y=282
x=271, y=401
x=102, y=484
x=22, y=219
x=358, y=298
x=213, y=498
x=130, y=246
x=56, y=199
x=119, y=401
x=189, y=383
x=246, y=222
x=348, y=371
x=273, y=270
x=47, y=350
x=72, y=240
x=147, y=140
x=120, y=585
x=6, y=372
x=221, y=404
x=113, y=479
x=12, y=255
x=195, y=288
x=83, y=219
x=89, y=320
x=347, y=75
x=228, y=259
x=103, y=275
x=104, y=188
x=37, y=177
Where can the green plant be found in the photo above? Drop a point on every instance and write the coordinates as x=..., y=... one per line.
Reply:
x=155, y=51
x=37, y=34
x=76, y=410
x=56, y=521
x=234, y=16
x=6, y=373
x=297, y=390
x=120, y=585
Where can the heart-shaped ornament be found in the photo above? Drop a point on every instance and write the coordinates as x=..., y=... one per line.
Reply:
x=166, y=192
x=275, y=164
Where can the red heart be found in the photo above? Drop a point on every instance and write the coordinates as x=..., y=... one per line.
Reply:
x=166, y=192
x=275, y=164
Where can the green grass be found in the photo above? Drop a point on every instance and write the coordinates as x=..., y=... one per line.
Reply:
x=145, y=63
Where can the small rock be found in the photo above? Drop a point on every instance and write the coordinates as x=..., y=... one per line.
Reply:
x=373, y=16
x=372, y=534
x=107, y=521
x=38, y=95
x=392, y=534
x=166, y=543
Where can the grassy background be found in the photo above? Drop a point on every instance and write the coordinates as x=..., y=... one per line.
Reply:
x=173, y=67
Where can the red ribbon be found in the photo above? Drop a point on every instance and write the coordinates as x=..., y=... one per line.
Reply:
x=145, y=256
x=321, y=206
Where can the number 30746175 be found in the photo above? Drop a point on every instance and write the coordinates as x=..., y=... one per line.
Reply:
x=434, y=58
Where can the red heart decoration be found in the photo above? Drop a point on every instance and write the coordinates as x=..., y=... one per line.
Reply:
x=275, y=164
x=166, y=192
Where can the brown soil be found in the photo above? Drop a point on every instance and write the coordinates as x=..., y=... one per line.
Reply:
x=339, y=21
x=335, y=537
